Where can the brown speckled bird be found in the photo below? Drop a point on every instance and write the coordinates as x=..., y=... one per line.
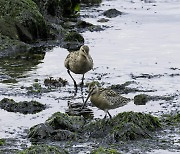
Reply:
x=79, y=62
x=105, y=99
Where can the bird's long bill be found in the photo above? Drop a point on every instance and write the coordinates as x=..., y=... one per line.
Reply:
x=87, y=99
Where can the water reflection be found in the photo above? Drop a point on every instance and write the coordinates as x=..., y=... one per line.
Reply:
x=15, y=66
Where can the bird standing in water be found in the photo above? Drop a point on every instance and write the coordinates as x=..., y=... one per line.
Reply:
x=79, y=62
x=105, y=99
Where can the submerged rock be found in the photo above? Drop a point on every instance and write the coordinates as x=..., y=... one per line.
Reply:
x=24, y=107
x=43, y=149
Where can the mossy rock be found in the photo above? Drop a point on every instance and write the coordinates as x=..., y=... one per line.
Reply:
x=2, y=142
x=59, y=127
x=141, y=99
x=58, y=8
x=24, y=107
x=43, y=149
x=91, y=2
x=73, y=41
x=21, y=20
x=111, y=13
x=102, y=150
x=125, y=126
x=65, y=122
x=171, y=119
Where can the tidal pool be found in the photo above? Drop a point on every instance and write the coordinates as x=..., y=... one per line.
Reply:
x=143, y=41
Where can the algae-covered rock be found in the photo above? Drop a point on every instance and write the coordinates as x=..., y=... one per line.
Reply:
x=141, y=99
x=125, y=126
x=73, y=41
x=59, y=127
x=43, y=149
x=171, y=118
x=111, y=13
x=40, y=132
x=102, y=150
x=63, y=121
x=24, y=107
x=58, y=8
x=2, y=142
x=91, y=2
x=21, y=20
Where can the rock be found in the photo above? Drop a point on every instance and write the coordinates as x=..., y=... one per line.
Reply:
x=111, y=13
x=2, y=142
x=40, y=132
x=125, y=126
x=102, y=20
x=63, y=121
x=73, y=41
x=23, y=21
x=43, y=149
x=102, y=150
x=57, y=8
x=50, y=82
x=84, y=26
x=91, y=2
x=24, y=107
x=75, y=109
x=141, y=99
x=59, y=127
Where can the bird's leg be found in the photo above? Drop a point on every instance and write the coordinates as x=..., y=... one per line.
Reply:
x=75, y=85
x=82, y=81
x=109, y=115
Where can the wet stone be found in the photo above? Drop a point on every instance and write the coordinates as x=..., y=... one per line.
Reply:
x=141, y=99
x=24, y=107
x=50, y=82
x=75, y=109
x=43, y=149
x=111, y=13
x=123, y=127
x=59, y=127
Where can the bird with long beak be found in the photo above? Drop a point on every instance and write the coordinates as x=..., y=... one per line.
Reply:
x=105, y=99
x=79, y=62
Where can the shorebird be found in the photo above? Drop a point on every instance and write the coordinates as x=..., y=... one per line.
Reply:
x=105, y=99
x=79, y=62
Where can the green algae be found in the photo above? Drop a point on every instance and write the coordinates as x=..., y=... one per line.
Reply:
x=102, y=150
x=63, y=121
x=45, y=149
x=171, y=119
x=22, y=20
x=74, y=36
x=2, y=142
x=24, y=107
x=125, y=126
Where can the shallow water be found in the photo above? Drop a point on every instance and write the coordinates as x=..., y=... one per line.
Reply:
x=144, y=41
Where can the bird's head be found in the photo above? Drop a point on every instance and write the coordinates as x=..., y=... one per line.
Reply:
x=84, y=49
x=93, y=88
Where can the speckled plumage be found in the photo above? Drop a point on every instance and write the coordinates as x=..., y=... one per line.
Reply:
x=105, y=99
x=79, y=62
